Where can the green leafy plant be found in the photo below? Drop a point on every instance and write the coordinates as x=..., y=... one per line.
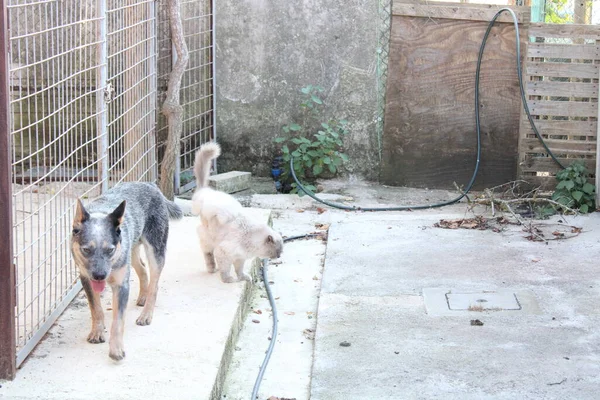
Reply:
x=557, y=12
x=573, y=189
x=314, y=145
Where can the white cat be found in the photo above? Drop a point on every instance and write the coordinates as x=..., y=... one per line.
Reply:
x=228, y=234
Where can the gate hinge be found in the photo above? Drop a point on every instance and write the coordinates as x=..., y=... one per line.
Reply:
x=109, y=92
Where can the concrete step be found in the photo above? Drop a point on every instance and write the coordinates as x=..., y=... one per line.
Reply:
x=183, y=354
x=230, y=182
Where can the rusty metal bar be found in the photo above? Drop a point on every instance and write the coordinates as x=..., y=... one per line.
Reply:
x=7, y=272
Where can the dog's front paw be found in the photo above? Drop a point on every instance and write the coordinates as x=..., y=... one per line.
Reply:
x=144, y=319
x=246, y=277
x=96, y=336
x=117, y=353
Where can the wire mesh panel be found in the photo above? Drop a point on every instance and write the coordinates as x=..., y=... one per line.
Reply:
x=131, y=90
x=383, y=53
x=82, y=87
x=196, y=89
x=52, y=49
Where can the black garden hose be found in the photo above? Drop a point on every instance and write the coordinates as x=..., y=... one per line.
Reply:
x=263, y=367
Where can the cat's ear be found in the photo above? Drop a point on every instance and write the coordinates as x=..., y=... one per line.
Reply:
x=270, y=239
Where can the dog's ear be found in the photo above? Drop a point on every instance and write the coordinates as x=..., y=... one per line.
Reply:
x=81, y=215
x=117, y=215
x=270, y=239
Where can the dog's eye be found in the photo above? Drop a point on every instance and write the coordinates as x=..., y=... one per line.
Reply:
x=118, y=231
x=86, y=251
x=76, y=231
x=111, y=250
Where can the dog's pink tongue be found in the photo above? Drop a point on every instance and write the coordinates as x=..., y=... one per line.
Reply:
x=98, y=286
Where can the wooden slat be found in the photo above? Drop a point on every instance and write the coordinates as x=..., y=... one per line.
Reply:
x=572, y=31
x=569, y=51
x=531, y=164
x=543, y=182
x=460, y=12
x=561, y=89
x=567, y=128
x=579, y=147
x=563, y=108
x=562, y=70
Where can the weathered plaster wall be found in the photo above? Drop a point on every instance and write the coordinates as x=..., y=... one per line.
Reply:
x=267, y=50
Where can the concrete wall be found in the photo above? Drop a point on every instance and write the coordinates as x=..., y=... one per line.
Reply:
x=267, y=50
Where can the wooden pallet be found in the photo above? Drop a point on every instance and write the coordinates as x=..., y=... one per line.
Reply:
x=561, y=77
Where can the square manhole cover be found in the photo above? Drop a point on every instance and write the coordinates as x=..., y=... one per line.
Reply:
x=456, y=302
x=483, y=301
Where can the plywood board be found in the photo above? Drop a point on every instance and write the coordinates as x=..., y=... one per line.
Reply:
x=429, y=135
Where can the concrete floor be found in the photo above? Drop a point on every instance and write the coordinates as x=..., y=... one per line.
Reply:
x=377, y=266
x=372, y=298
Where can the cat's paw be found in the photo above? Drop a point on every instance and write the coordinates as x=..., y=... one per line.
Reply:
x=228, y=279
x=211, y=268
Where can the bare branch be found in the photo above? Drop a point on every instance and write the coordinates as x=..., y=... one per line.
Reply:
x=171, y=107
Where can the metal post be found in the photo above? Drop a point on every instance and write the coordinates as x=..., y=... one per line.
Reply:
x=8, y=344
x=101, y=92
x=598, y=146
x=177, y=172
x=213, y=47
x=152, y=67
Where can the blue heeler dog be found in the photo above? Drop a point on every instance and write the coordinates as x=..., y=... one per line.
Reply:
x=106, y=240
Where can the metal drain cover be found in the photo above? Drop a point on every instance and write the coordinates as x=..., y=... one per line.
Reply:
x=485, y=301
x=456, y=302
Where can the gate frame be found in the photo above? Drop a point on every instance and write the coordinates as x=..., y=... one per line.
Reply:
x=8, y=343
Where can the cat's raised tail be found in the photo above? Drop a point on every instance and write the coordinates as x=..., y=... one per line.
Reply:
x=208, y=152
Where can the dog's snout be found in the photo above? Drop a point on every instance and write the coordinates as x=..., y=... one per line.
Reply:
x=98, y=276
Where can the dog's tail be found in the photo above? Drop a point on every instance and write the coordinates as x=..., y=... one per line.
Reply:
x=208, y=152
x=175, y=211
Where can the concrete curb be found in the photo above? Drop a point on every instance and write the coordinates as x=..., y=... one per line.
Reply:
x=237, y=324
x=240, y=314
x=236, y=327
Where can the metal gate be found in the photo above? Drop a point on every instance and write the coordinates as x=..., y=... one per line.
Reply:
x=80, y=112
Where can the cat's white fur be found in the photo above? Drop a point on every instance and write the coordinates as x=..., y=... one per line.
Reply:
x=228, y=234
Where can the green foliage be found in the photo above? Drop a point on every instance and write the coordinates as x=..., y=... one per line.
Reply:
x=557, y=12
x=573, y=189
x=315, y=145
